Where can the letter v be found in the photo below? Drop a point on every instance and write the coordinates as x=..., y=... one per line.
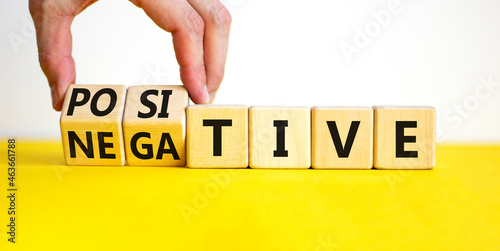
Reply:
x=343, y=151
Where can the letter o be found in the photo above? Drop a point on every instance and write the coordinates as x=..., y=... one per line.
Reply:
x=372, y=32
x=112, y=102
x=215, y=190
x=471, y=103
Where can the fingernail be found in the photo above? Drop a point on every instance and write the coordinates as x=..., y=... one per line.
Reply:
x=206, y=97
x=212, y=96
x=55, y=96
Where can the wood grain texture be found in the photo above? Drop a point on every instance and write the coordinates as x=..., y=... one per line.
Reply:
x=265, y=135
x=217, y=136
x=355, y=122
x=417, y=126
x=101, y=135
x=154, y=125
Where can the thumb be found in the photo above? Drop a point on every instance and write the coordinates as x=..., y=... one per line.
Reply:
x=53, y=33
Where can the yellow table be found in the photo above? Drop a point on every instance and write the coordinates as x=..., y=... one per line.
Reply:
x=58, y=207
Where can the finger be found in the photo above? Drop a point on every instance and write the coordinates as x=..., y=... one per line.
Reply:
x=54, y=53
x=187, y=28
x=215, y=43
x=52, y=21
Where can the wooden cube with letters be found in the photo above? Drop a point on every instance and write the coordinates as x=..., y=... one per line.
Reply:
x=404, y=137
x=217, y=136
x=280, y=137
x=91, y=125
x=342, y=137
x=154, y=125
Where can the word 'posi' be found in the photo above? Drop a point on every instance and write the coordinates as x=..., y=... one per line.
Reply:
x=154, y=126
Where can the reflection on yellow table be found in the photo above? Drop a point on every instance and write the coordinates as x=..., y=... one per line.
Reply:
x=59, y=207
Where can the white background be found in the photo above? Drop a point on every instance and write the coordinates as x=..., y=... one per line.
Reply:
x=437, y=53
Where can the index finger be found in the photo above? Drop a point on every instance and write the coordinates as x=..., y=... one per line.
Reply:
x=217, y=25
x=187, y=28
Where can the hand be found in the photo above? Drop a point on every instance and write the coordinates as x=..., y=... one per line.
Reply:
x=200, y=34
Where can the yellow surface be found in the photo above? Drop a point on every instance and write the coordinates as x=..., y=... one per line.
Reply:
x=456, y=205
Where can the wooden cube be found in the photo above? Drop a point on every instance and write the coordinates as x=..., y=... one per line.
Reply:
x=405, y=137
x=342, y=138
x=154, y=125
x=280, y=137
x=217, y=136
x=91, y=125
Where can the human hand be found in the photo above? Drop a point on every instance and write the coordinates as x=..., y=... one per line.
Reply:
x=200, y=34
